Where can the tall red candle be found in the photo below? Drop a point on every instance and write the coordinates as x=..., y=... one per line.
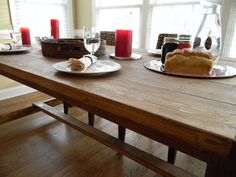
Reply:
x=123, y=46
x=55, y=32
x=25, y=36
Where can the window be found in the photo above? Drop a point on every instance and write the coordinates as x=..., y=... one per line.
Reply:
x=172, y=16
x=230, y=40
x=149, y=18
x=119, y=14
x=36, y=15
x=146, y=17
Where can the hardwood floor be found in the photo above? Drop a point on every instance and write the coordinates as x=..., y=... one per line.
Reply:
x=38, y=145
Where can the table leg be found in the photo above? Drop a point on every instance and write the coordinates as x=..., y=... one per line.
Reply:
x=91, y=119
x=65, y=107
x=171, y=155
x=121, y=132
x=90, y=115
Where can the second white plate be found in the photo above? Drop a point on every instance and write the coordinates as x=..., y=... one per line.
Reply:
x=154, y=51
x=100, y=67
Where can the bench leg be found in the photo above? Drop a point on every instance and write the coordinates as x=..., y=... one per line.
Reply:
x=91, y=119
x=171, y=155
x=121, y=132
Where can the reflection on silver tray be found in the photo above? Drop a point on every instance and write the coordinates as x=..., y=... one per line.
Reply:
x=22, y=49
x=218, y=71
x=134, y=56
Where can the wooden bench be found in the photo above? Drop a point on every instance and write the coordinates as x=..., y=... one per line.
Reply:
x=20, y=106
x=152, y=162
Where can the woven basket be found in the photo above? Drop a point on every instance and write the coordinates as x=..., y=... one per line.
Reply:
x=109, y=36
x=67, y=48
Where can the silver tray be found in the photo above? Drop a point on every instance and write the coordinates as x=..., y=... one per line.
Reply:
x=218, y=71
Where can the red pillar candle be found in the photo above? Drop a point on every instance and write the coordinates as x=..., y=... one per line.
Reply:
x=55, y=32
x=123, y=46
x=25, y=36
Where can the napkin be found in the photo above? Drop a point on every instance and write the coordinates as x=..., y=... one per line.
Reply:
x=4, y=47
x=81, y=64
x=9, y=47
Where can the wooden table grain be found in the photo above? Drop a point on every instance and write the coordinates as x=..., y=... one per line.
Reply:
x=195, y=116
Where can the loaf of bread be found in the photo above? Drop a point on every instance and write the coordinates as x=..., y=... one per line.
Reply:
x=189, y=62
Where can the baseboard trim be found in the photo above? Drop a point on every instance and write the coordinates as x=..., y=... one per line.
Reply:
x=15, y=91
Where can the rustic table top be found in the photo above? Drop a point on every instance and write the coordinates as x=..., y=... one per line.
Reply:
x=197, y=116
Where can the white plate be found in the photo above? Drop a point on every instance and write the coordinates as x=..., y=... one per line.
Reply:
x=98, y=68
x=16, y=51
x=154, y=51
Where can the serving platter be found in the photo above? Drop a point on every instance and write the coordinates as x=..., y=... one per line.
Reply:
x=218, y=71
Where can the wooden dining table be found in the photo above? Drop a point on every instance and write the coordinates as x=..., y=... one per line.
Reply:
x=192, y=115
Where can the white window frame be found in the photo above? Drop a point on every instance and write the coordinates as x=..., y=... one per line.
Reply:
x=225, y=17
x=145, y=19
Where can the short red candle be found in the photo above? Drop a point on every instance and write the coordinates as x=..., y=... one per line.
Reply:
x=55, y=32
x=25, y=36
x=123, y=47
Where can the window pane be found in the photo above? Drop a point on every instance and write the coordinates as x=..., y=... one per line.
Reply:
x=124, y=18
x=36, y=15
x=108, y=3
x=180, y=19
x=232, y=33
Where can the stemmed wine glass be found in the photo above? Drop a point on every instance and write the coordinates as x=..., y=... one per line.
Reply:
x=92, y=39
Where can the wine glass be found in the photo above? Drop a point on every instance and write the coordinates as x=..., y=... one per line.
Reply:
x=92, y=39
